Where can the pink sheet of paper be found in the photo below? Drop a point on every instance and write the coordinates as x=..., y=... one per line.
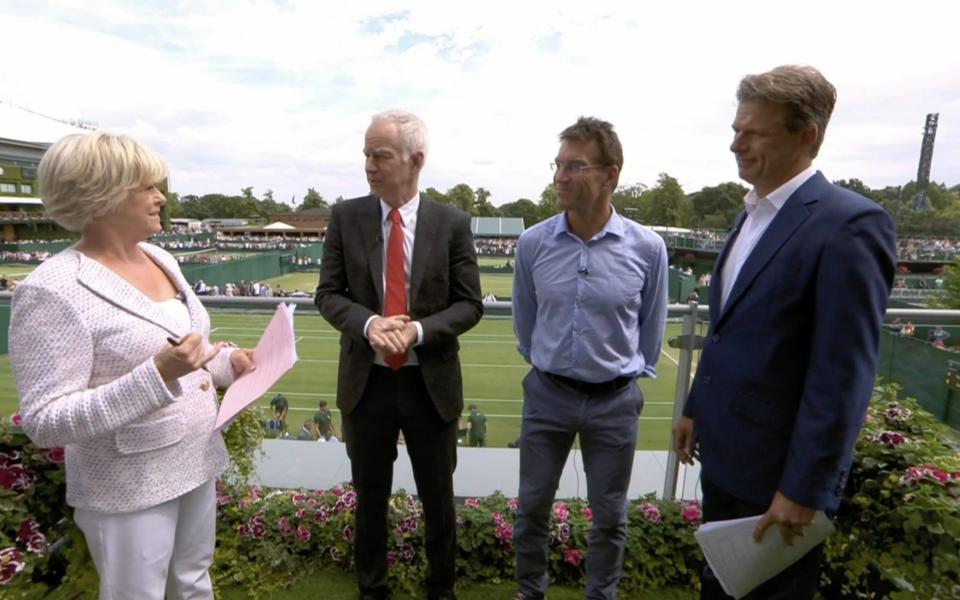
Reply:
x=274, y=355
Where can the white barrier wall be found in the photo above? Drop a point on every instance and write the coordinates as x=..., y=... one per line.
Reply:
x=480, y=471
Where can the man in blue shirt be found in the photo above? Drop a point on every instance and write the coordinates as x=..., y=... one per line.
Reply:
x=589, y=308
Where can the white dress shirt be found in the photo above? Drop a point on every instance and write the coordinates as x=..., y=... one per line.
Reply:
x=760, y=213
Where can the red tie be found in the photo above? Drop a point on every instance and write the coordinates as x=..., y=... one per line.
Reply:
x=396, y=296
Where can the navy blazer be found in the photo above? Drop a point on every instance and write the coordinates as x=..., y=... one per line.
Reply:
x=789, y=363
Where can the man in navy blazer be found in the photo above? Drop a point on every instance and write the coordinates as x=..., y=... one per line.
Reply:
x=796, y=306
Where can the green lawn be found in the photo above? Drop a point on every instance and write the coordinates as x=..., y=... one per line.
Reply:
x=491, y=366
x=337, y=584
x=500, y=284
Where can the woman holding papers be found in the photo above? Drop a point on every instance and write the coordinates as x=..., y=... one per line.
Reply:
x=111, y=356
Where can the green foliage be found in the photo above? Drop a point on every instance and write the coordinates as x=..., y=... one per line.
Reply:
x=898, y=528
x=900, y=522
x=35, y=522
x=949, y=296
x=547, y=207
x=243, y=438
x=523, y=208
x=715, y=207
x=244, y=206
x=312, y=199
x=627, y=200
x=665, y=204
x=296, y=530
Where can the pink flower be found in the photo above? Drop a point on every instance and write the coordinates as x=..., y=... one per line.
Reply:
x=890, y=438
x=29, y=535
x=392, y=558
x=651, y=512
x=513, y=504
x=472, y=502
x=300, y=513
x=283, y=524
x=336, y=491
x=406, y=551
x=335, y=554
x=504, y=533
x=16, y=478
x=350, y=500
x=11, y=563
x=572, y=557
x=928, y=473
x=243, y=530
x=587, y=513
x=408, y=525
x=561, y=511
x=348, y=533
x=298, y=499
x=258, y=530
x=411, y=501
x=896, y=413
x=302, y=534
x=55, y=455
x=320, y=516
x=16, y=419
x=692, y=513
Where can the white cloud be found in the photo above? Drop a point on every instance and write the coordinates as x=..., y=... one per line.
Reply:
x=278, y=95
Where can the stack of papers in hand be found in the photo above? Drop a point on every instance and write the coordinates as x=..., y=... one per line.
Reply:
x=274, y=355
x=742, y=564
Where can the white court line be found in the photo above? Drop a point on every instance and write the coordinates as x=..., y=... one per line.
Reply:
x=337, y=336
x=214, y=329
x=466, y=400
x=667, y=354
x=469, y=336
x=305, y=337
x=330, y=361
x=494, y=416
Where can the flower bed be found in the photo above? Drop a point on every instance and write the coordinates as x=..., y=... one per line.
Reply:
x=897, y=529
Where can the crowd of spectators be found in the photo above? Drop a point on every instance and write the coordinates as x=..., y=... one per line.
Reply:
x=24, y=257
x=928, y=249
x=253, y=289
x=495, y=246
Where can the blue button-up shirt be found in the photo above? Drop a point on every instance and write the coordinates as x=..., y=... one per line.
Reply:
x=591, y=311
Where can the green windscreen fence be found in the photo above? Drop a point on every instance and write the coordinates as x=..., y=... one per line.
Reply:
x=924, y=372
x=252, y=268
x=51, y=247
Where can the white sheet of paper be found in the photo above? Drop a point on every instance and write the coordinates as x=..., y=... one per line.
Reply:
x=742, y=564
x=274, y=355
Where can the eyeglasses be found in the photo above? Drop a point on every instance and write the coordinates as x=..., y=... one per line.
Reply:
x=574, y=167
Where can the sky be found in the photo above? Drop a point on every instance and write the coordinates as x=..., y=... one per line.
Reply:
x=277, y=95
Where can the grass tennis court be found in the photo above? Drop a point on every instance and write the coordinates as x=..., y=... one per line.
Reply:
x=492, y=372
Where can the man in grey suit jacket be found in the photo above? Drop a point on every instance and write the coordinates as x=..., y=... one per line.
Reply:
x=399, y=366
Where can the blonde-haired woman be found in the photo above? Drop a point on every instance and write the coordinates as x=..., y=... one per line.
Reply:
x=111, y=356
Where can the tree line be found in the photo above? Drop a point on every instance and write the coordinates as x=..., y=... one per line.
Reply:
x=665, y=203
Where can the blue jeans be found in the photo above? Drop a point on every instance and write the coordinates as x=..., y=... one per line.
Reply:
x=553, y=415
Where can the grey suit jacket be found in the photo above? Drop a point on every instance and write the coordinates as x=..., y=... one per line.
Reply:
x=82, y=342
x=444, y=294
